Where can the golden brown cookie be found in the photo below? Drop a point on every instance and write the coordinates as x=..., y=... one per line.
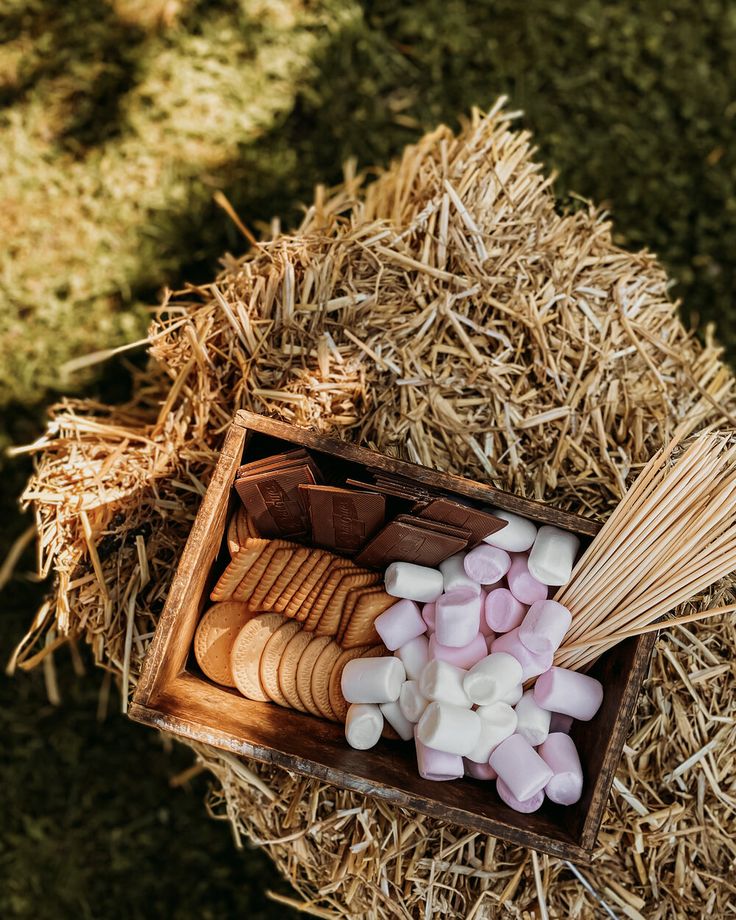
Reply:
x=338, y=704
x=295, y=647
x=276, y=565
x=245, y=658
x=304, y=673
x=323, y=591
x=239, y=528
x=312, y=559
x=236, y=569
x=287, y=575
x=215, y=636
x=251, y=578
x=297, y=605
x=271, y=659
x=321, y=679
x=330, y=620
x=361, y=630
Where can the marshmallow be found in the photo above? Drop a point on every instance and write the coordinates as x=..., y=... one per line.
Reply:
x=414, y=655
x=437, y=765
x=486, y=564
x=413, y=582
x=457, y=617
x=484, y=627
x=520, y=767
x=513, y=695
x=372, y=680
x=531, y=664
x=444, y=682
x=531, y=804
x=516, y=537
x=497, y=723
x=428, y=614
x=464, y=656
x=453, y=574
x=399, y=624
x=552, y=557
x=522, y=583
x=503, y=611
x=412, y=701
x=479, y=770
x=544, y=626
x=449, y=728
x=569, y=692
x=561, y=756
x=533, y=721
x=395, y=717
x=363, y=725
x=560, y=723
x=491, y=678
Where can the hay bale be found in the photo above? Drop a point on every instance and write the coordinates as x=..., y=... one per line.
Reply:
x=450, y=314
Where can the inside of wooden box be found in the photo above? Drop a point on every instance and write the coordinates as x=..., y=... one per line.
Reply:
x=317, y=747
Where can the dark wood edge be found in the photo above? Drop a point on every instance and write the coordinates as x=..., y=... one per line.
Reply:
x=155, y=662
x=615, y=746
x=441, y=480
x=205, y=734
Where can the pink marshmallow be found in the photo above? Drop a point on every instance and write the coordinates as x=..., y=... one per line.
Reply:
x=503, y=611
x=464, y=656
x=545, y=626
x=437, y=765
x=428, y=614
x=399, y=624
x=479, y=770
x=486, y=564
x=569, y=692
x=522, y=584
x=457, y=617
x=558, y=751
x=560, y=723
x=520, y=767
x=532, y=804
x=532, y=665
x=484, y=627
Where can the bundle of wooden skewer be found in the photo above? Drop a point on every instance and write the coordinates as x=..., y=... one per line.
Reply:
x=672, y=536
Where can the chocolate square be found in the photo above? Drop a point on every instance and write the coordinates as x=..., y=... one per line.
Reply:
x=343, y=520
x=401, y=541
x=481, y=524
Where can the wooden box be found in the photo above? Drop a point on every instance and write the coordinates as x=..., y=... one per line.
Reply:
x=173, y=695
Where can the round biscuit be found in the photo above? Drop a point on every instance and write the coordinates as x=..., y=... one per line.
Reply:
x=246, y=654
x=271, y=658
x=288, y=665
x=304, y=673
x=215, y=636
x=321, y=679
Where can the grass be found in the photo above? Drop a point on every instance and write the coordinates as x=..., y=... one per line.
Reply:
x=118, y=121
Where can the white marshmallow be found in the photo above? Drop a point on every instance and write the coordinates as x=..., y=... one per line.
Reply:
x=492, y=678
x=372, y=680
x=414, y=656
x=412, y=701
x=513, y=695
x=518, y=534
x=413, y=582
x=457, y=617
x=533, y=721
x=497, y=723
x=553, y=555
x=454, y=576
x=394, y=716
x=448, y=728
x=363, y=726
x=444, y=682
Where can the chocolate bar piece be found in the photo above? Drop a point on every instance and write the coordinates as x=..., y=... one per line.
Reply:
x=272, y=500
x=481, y=524
x=280, y=462
x=389, y=488
x=436, y=526
x=343, y=520
x=401, y=541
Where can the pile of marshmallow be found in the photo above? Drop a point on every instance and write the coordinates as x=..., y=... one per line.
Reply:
x=466, y=639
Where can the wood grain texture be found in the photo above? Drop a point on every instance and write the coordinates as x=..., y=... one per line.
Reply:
x=173, y=695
